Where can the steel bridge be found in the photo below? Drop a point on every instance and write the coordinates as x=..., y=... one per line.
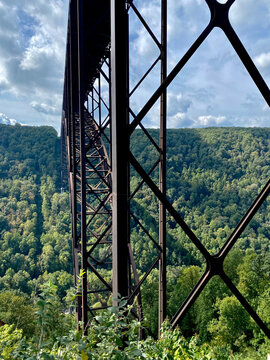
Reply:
x=97, y=124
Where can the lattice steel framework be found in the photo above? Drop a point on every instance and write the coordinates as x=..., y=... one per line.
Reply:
x=98, y=123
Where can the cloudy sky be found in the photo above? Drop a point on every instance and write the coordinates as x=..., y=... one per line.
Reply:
x=32, y=51
x=213, y=89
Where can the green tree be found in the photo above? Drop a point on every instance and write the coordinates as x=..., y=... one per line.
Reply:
x=16, y=309
x=233, y=323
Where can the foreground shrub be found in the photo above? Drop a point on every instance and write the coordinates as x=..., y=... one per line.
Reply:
x=112, y=335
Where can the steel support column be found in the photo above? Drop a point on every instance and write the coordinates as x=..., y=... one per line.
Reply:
x=81, y=100
x=162, y=170
x=73, y=153
x=120, y=146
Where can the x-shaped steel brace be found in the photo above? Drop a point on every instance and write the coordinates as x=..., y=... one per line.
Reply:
x=219, y=18
x=214, y=263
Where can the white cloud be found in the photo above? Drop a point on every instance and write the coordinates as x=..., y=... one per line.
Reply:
x=4, y=119
x=37, y=53
x=3, y=76
x=177, y=103
x=249, y=13
x=263, y=60
x=179, y=120
x=186, y=20
x=150, y=10
x=144, y=46
x=45, y=108
x=210, y=120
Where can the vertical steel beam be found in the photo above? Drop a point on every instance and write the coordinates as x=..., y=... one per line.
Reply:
x=73, y=84
x=81, y=93
x=120, y=146
x=99, y=100
x=162, y=170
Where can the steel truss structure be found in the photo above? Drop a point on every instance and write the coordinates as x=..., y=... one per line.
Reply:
x=97, y=125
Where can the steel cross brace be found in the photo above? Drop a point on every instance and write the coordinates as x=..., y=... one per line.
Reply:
x=214, y=263
x=219, y=18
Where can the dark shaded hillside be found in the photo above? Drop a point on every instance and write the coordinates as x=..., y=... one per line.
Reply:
x=29, y=151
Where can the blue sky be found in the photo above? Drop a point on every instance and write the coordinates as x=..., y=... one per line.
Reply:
x=213, y=89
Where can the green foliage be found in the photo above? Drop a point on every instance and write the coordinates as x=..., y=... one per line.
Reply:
x=34, y=217
x=16, y=309
x=172, y=345
x=10, y=341
x=112, y=335
x=213, y=176
x=233, y=322
x=28, y=150
x=49, y=313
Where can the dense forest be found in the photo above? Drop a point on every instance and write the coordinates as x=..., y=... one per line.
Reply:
x=213, y=177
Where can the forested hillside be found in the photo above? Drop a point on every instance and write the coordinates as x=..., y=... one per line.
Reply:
x=213, y=177
x=34, y=215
